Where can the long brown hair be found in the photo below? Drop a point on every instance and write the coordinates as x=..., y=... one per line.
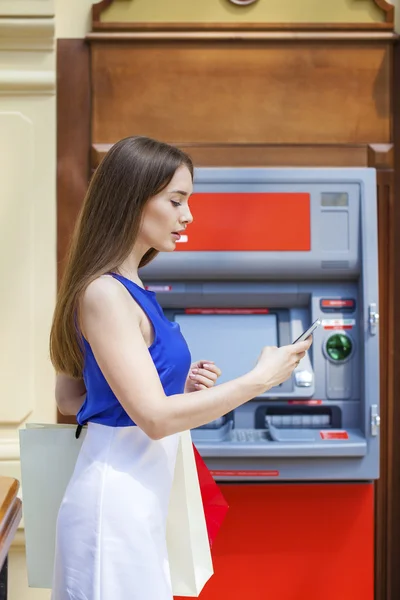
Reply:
x=133, y=170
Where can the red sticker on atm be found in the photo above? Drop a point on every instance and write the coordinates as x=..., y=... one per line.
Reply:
x=338, y=323
x=245, y=473
x=337, y=303
x=334, y=435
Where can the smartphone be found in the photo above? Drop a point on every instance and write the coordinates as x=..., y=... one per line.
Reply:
x=306, y=334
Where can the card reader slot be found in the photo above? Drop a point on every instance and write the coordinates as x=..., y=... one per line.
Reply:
x=298, y=417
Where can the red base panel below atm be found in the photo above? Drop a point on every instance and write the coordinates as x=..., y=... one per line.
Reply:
x=295, y=542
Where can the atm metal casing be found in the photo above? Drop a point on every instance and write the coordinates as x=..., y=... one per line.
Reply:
x=299, y=244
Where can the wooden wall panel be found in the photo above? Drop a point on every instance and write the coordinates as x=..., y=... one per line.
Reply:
x=242, y=93
x=254, y=103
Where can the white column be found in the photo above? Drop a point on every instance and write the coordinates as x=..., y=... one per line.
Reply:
x=28, y=235
x=27, y=219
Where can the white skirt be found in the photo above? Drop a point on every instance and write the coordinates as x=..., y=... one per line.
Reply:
x=111, y=527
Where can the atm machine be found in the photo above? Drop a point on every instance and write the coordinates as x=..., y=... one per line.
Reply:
x=270, y=251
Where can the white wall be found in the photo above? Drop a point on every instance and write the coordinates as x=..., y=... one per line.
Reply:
x=28, y=230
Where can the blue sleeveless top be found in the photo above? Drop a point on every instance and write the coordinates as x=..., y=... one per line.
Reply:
x=169, y=352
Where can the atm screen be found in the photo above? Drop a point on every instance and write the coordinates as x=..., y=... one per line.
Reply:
x=233, y=342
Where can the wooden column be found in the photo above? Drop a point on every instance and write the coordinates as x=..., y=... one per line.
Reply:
x=73, y=143
x=393, y=356
x=380, y=157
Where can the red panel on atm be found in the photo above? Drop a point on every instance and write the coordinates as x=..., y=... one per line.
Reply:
x=249, y=221
x=294, y=541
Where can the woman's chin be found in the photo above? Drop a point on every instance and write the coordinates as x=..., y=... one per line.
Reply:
x=171, y=247
x=166, y=247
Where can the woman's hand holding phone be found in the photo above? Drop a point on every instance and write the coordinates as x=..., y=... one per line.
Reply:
x=276, y=365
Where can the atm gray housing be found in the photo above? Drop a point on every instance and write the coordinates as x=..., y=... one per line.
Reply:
x=342, y=263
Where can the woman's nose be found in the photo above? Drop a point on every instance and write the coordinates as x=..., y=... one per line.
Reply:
x=187, y=218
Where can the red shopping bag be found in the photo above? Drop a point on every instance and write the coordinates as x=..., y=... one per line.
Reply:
x=215, y=505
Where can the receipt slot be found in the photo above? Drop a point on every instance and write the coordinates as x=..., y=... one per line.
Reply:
x=269, y=252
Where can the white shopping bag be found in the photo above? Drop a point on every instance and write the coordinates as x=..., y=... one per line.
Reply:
x=48, y=457
x=187, y=539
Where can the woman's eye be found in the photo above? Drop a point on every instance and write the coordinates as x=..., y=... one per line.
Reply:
x=175, y=203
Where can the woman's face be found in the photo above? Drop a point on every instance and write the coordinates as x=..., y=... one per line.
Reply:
x=167, y=214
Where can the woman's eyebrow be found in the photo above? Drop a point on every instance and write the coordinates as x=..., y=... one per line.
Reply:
x=180, y=192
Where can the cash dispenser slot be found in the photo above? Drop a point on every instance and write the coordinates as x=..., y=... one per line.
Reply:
x=299, y=417
x=299, y=424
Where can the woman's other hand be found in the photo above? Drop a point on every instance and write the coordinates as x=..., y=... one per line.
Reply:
x=203, y=374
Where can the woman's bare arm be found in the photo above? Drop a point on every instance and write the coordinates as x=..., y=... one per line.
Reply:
x=113, y=331
x=70, y=394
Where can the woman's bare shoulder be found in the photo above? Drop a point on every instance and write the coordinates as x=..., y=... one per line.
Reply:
x=105, y=300
x=102, y=291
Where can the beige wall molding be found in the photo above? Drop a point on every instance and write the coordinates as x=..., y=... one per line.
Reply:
x=27, y=34
x=27, y=82
x=26, y=8
x=356, y=14
x=17, y=143
x=19, y=540
x=9, y=450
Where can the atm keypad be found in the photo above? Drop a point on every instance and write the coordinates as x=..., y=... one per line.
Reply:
x=248, y=435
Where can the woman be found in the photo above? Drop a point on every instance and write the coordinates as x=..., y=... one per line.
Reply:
x=124, y=369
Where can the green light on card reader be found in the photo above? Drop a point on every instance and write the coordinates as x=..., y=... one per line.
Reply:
x=339, y=346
